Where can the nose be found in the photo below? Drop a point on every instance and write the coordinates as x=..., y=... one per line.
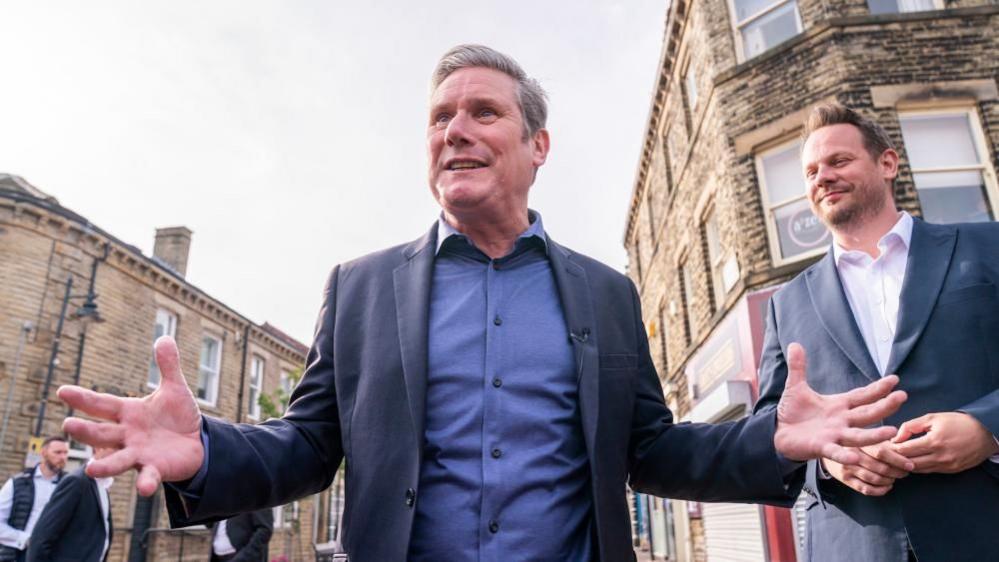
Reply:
x=824, y=175
x=457, y=131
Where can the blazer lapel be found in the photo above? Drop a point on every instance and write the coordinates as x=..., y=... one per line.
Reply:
x=930, y=252
x=412, y=282
x=834, y=313
x=577, y=305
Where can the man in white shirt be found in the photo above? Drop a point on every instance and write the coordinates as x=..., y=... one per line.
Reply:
x=243, y=538
x=76, y=524
x=24, y=496
x=894, y=296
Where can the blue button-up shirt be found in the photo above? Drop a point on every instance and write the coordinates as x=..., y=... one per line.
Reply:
x=504, y=474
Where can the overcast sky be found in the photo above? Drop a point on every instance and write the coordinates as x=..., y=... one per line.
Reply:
x=290, y=136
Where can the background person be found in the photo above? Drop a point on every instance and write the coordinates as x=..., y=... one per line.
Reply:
x=24, y=496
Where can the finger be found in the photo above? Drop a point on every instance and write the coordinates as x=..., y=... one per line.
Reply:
x=797, y=364
x=915, y=447
x=93, y=433
x=868, y=414
x=99, y=405
x=872, y=392
x=168, y=360
x=898, y=462
x=839, y=454
x=884, y=470
x=867, y=489
x=926, y=464
x=860, y=437
x=872, y=478
x=148, y=481
x=114, y=464
x=922, y=424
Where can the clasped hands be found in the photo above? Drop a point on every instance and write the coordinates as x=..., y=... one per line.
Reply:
x=942, y=442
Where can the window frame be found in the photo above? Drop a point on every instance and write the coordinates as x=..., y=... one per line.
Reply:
x=170, y=315
x=715, y=263
x=211, y=398
x=253, y=406
x=937, y=5
x=978, y=140
x=770, y=207
x=737, y=26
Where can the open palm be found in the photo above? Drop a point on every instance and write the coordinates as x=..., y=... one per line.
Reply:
x=159, y=434
x=812, y=425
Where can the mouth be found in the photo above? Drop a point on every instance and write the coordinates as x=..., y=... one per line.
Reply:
x=833, y=196
x=458, y=165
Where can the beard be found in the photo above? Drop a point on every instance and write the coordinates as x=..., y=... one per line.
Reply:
x=862, y=202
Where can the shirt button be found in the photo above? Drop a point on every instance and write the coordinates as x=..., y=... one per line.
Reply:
x=497, y=382
x=497, y=453
x=494, y=526
x=497, y=320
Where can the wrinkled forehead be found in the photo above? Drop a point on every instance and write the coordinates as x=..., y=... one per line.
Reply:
x=476, y=83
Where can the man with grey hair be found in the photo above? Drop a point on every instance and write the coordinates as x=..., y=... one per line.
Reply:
x=490, y=390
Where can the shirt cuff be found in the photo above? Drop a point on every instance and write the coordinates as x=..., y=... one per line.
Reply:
x=195, y=487
x=995, y=458
x=823, y=474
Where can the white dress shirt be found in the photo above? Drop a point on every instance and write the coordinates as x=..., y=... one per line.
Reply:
x=10, y=536
x=104, y=493
x=873, y=287
x=221, y=544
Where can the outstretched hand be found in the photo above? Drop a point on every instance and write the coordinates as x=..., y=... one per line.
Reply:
x=159, y=435
x=812, y=425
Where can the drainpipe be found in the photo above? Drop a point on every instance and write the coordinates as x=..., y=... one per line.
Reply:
x=25, y=330
x=242, y=374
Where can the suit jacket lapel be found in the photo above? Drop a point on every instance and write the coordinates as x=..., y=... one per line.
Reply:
x=577, y=305
x=930, y=252
x=834, y=313
x=412, y=282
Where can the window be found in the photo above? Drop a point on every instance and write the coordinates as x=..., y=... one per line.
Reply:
x=795, y=232
x=256, y=382
x=166, y=325
x=899, y=6
x=285, y=515
x=690, y=83
x=208, y=369
x=762, y=24
x=948, y=164
x=687, y=299
x=715, y=258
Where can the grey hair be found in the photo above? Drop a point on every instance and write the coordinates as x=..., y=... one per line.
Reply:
x=531, y=97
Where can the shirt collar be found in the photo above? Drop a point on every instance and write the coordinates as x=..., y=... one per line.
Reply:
x=103, y=483
x=902, y=231
x=535, y=230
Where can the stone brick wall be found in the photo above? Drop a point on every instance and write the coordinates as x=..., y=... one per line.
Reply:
x=40, y=246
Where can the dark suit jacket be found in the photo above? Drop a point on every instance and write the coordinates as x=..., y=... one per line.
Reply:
x=946, y=354
x=362, y=398
x=249, y=534
x=71, y=527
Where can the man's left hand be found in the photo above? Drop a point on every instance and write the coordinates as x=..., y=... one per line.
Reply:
x=951, y=442
x=812, y=425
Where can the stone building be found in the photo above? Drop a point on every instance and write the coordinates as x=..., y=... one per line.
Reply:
x=48, y=252
x=718, y=217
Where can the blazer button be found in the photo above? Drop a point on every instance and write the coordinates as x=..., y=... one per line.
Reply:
x=410, y=497
x=494, y=526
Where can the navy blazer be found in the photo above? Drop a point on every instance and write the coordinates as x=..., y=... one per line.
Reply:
x=362, y=399
x=71, y=527
x=946, y=354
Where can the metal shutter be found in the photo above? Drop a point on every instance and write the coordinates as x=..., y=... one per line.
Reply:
x=733, y=532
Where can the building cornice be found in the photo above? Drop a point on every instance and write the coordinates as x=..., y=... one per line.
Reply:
x=48, y=218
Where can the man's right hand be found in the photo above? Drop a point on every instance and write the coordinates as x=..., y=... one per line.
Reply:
x=875, y=473
x=159, y=435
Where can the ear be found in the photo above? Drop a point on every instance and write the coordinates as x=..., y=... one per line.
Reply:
x=540, y=144
x=888, y=163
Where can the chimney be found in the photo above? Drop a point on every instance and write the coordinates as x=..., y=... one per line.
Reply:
x=172, y=247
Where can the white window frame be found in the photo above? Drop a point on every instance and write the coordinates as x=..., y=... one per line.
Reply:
x=716, y=259
x=687, y=280
x=690, y=84
x=977, y=138
x=770, y=207
x=737, y=25
x=171, y=330
x=211, y=387
x=255, y=386
x=937, y=5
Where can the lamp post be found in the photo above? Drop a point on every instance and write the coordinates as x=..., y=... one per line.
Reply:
x=85, y=314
